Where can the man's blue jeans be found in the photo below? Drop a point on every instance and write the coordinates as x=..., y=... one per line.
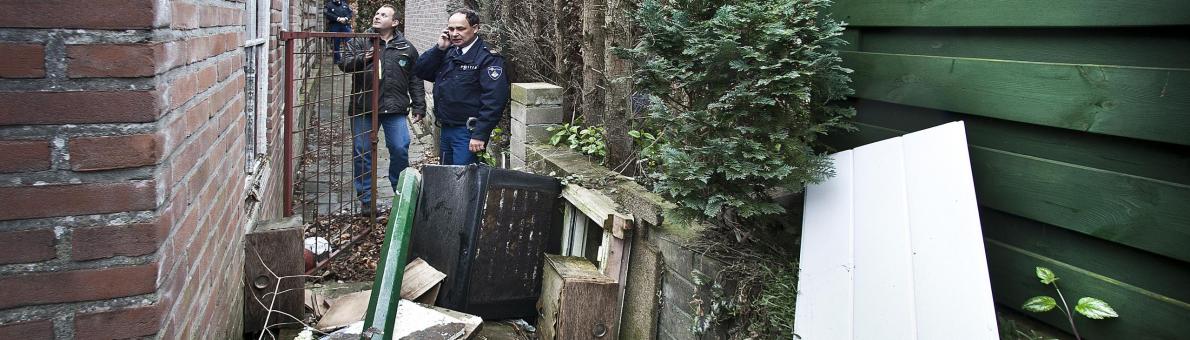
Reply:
x=337, y=42
x=454, y=145
x=396, y=138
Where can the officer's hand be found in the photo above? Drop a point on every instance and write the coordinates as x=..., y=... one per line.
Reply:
x=443, y=40
x=476, y=145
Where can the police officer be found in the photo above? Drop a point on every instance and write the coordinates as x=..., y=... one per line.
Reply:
x=401, y=94
x=469, y=82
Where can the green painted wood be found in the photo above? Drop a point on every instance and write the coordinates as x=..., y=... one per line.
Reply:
x=1012, y=13
x=1144, y=47
x=1160, y=161
x=386, y=288
x=1134, y=211
x=1155, y=273
x=1143, y=314
x=1143, y=103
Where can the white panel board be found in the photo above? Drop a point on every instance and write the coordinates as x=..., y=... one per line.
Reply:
x=951, y=287
x=892, y=247
x=883, y=268
x=824, y=293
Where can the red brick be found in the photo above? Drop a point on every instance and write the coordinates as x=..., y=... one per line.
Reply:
x=118, y=324
x=114, y=152
x=77, y=285
x=40, y=329
x=78, y=107
x=22, y=60
x=77, y=199
x=24, y=155
x=181, y=89
x=207, y=76
x=107, y=241
x=105, y=14
x=185, y=15
x=112, y=60
x=26, y=246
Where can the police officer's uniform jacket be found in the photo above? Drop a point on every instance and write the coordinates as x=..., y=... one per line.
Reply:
x=467, y=85
x=397, y=81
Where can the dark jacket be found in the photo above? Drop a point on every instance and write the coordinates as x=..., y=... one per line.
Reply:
x=336, y=9
x=469, y=85
x=397, y=82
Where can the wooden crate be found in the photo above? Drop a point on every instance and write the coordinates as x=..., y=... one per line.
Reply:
x=577, y=301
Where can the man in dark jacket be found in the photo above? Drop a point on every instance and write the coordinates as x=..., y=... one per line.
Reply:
x=400, y=93
x=338, y=19
x=469, y=82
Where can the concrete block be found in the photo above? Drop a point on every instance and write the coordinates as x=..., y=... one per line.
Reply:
x=535, y=94
x=537, y=133
x=677, y=259
x=516, y=144
x=516, y=163
x=551, y=114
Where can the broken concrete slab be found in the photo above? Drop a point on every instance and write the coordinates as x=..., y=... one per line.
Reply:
x=419, y=322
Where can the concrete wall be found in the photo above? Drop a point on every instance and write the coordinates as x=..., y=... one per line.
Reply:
x=661, y=293
x=123, y=181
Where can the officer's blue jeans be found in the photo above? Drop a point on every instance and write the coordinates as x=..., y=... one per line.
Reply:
x=337, y=42
x=454, y=144
x=396, y=138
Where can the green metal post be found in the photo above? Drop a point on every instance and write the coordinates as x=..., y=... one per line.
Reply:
x=386, y=289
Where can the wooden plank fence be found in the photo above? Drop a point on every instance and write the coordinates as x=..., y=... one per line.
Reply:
x=1078, y=132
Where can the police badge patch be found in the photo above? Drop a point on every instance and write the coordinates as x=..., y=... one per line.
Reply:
x=495, y=71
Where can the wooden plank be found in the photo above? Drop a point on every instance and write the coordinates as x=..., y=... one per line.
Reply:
x=386, y=288
x=1012, y=13
x=1142, y=103
x=1135, y=211
x=883, y=264
x=1138, y=212
x=1158, y=161
x=598, y=207
x=1144, y=47
x=945, y=238
x=1143, y=314
x=1145, y=270
x=824, y=299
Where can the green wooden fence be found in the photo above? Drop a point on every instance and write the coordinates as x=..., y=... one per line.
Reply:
x=1078, y=123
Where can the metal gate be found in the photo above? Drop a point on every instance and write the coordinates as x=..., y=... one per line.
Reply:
x=319, y=136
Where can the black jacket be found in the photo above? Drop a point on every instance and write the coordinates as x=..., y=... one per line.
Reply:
x=467, y=85
x=336, y=9
x=400, y=89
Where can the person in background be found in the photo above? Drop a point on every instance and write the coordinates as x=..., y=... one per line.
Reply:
x=338, y=19
x=469, y=84
x=401, y=94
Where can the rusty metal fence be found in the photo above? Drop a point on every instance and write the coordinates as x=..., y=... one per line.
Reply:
x=319, y=115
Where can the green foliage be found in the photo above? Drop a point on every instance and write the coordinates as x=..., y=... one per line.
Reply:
x=1040, y=304
x=587, y=140
x=1095, y=308
x=717, y=307
x=739, y=92
x=485, y=156
x=1088, y=306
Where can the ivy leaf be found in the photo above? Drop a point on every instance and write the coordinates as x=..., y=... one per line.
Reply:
x=1095, y=308
x=1040, y=304
x=634, y=133
x=1046, y=275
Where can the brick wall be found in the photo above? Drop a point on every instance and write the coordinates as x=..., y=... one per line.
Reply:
x=122, y=181
x=424, y=21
